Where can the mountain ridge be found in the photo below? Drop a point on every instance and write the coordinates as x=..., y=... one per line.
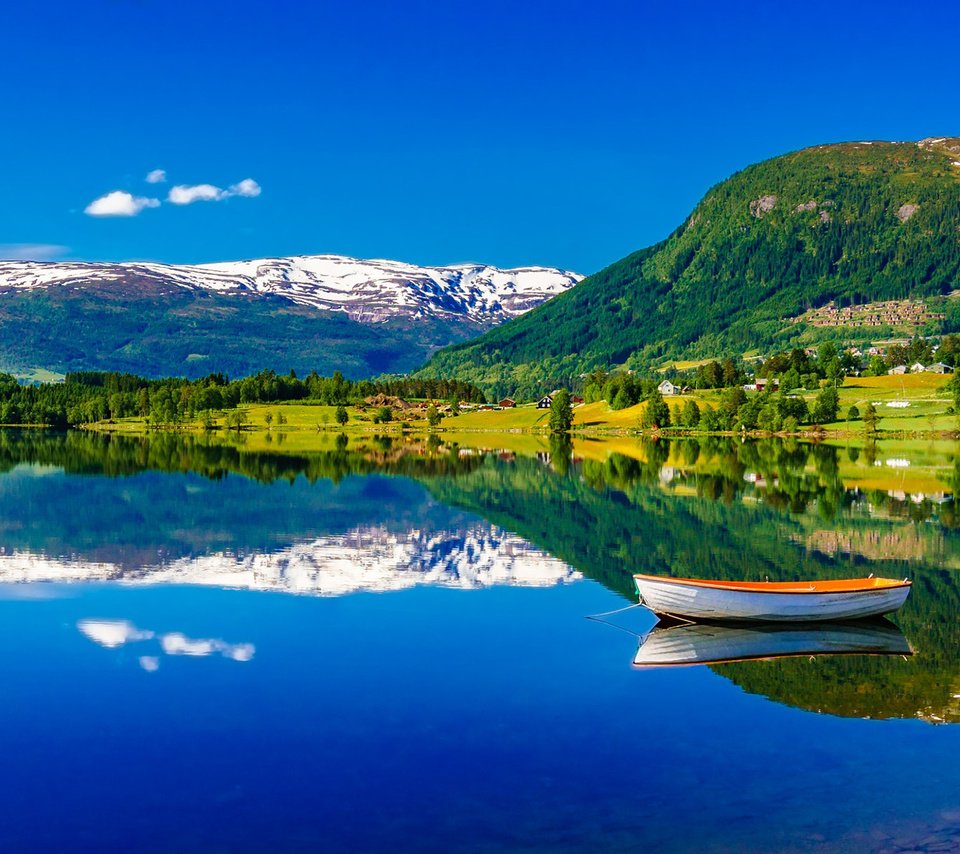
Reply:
x=323, y=312
x=848, y=222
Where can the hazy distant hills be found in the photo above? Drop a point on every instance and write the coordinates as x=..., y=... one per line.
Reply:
x=849, y=224
x=311, y=312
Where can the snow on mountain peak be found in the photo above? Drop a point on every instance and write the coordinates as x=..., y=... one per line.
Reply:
x=367, y=291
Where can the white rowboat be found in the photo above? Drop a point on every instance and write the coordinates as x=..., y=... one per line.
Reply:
x=777, y=601
x=713, y=643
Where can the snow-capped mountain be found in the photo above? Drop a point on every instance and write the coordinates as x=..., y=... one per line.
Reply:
x=366, y=291
x=370, y=558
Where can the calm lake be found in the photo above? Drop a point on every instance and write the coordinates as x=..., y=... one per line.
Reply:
x=382, y=645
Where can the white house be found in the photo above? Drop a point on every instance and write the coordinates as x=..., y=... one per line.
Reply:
x=917, y=368
x=667, y=387
x=939, y=368
x=899, y=369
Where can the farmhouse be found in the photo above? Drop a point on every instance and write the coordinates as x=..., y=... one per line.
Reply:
x=545, y=402
x=507, y=403
x=667, y=387
x=939, y=368
x=899, y=369
x=917, y=368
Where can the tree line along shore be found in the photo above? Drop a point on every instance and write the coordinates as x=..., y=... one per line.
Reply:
x=800, y=393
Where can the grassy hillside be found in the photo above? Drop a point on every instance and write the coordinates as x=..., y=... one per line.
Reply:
x=849, y=223
x=155, y=330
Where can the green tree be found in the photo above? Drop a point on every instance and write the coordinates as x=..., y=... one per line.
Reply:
x=853, y=413
x=827, y=405
x=690, y=414
x=870, y=419
x=656, y=414
x=790, y=380
x=341, y=415
x=268, y=419
x=433, y=415
x=237, y=419
x=561, y=412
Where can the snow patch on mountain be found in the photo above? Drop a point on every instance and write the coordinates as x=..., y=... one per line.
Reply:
x=367, y=291
x=367, y=558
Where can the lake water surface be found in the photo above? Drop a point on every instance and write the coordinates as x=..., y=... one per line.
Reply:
x=382, y=646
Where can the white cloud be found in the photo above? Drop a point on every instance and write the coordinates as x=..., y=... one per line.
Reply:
x=150, y=663
x=187, y=194
x=176, y=643
x=156, y=176
x=112, y=633
x=119, y=203
x=247, y=187
x=31, y=251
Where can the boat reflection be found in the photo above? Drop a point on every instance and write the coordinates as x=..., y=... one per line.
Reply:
x=708, y=643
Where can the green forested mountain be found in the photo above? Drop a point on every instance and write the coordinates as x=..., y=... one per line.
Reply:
x=846, y=224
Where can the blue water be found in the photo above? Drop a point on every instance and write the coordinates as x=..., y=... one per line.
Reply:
x=427, y=718
x=424, y=719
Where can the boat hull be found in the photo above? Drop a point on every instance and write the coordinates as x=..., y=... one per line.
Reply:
x=678, y=598
x=712, y=643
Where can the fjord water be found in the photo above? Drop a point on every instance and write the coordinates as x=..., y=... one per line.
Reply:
x=382, y=646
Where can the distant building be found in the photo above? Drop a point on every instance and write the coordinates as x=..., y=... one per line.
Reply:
x=667, y=387
x=545, y=402
x=507, y=403
x=767, y=384
x=917, y=368
x=899, y=369
x=939, y=368
x=575, y=399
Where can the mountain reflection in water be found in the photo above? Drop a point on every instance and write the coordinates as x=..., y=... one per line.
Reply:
x=385, y=513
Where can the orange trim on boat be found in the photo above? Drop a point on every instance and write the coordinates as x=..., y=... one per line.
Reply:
x=845, y=585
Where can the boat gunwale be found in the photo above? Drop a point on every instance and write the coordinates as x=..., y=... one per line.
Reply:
x=790, y=588
x=767, y=657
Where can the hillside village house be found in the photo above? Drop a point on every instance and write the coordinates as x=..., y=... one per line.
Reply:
x=939, y=368
x=917, y=368
x=667, y=387
x=899, y=369
x=507, y=403
x=545, y=402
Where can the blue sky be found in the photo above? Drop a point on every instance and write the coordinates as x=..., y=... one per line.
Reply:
x=555, y=133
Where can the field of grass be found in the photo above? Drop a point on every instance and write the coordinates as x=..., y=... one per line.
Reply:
x=926, y=395
x=39, y=375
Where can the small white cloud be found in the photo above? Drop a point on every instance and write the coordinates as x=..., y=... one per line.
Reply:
x=239, y=651
x=156, y=176
x=119, y=203
x=112, y=633
x=31, y=251
x=247, y=187
x=187, y=194
x=150, y=663
x=176, y=643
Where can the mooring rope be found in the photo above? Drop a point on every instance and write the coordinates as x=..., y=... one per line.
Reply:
x=611, y=613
